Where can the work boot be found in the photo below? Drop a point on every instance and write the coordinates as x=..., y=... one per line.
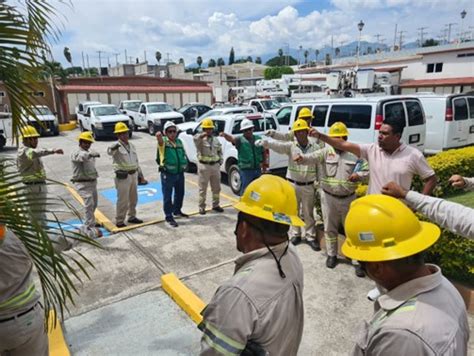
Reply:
x=314, y=244
x=218, y=209
x=172, y=222
x=202, y=211
x=135, y=220
x=121, y=224
x=296, y=240
x=142, y=181
x=331, y=262
x=181, y=214
x=359, y=271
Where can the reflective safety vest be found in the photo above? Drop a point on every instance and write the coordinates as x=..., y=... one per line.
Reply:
x=249, y=155
x=171, y=157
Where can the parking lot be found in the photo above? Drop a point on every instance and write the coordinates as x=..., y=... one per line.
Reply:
x=122, y=309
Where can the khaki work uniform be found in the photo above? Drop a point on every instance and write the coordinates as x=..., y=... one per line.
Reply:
x=257, y=305
x=34, y=177
x=424, y=316
x=21, y=315
x=337, y=192
x=304, y=179
x=209, y=154
x=125, y=164
x=84, y=177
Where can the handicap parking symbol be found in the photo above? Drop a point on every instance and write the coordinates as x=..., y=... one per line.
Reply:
x=146, y=194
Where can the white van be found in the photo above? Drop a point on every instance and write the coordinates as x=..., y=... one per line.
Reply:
x=449, y=120
x=363, y=116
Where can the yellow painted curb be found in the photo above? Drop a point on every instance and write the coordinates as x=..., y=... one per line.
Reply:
x=184, y=297
x=67, y=127
x=57, y=344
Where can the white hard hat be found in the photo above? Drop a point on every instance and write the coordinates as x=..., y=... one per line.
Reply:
x=169, y=124
x=246, y=124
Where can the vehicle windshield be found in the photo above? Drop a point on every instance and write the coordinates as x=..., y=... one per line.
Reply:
x=159, y=108
x=105, y=110
x=283, y=99
x=132, y=105
x=270, y=104
x=42, y=111
x=183, y=108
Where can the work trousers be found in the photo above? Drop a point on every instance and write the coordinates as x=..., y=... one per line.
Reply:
x=305, y=201
x=127, y=198
x=169, y=183
x=209, y=173
x=334, y=213
x=37, y=194
x=24, y=335
x=88, y=193
x=247, y=176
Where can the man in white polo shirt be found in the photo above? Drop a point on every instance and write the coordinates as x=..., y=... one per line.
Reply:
x=389, y=159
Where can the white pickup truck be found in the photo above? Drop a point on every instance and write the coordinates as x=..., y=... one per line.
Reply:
x=45, y=122
x=81, y=110
x=265, y=105
x=101, y=120
x=231, y=124
x=153, y=116
x=130, y=108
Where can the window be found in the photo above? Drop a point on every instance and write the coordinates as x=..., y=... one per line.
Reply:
x=430, y=68
x=319, y=113
x=465, y=55
x=471, y=107
x=434, y=67
x=143, y=109
x=438, y=67
x=395, y=111
x=261, y=125
x=460, y=109
x=2, y=93
x=354, y=116
x=415, y=113
x=38, y=94
x=283, y=116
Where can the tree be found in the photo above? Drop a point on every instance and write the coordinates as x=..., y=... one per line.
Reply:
x=328, y=60
x=258, y=60
x=29, y=27
x=220, y=62
x=280, y=55
x=158, y=56
x=430, y=42
x=199, y=62
x=275, y=61
x=67, y=55
x=181, y=61
x=276, y=72
x=249, y=59
x=231, y=56
x=316, y=53
x=211, y=63
x=306, y=54
x=337, y=51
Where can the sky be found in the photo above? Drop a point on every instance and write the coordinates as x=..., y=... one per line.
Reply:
x=209, y=28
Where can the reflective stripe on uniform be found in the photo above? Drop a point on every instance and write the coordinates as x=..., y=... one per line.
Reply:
x=338, y=182
x=409, y=305
x=20, y=299
x=220, y=342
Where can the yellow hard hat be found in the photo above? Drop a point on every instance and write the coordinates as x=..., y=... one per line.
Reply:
x=207, y=124
x=381, y=228
x=338, y=129
x=300, y=125
x=305, y=113
x=86, y=136
x=120, y=127
x=271, y=198
x=29, y=131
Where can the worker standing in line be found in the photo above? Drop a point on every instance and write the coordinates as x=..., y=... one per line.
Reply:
x=260, y=311
x=209, y=154
x=252, y=160
x=172, y=162
x=125, y=163
x=22, y=330
x=303, y=178
x=32, y=170
x=84, y=177
x=462, y=182
x=339, y=177
x=419, y=312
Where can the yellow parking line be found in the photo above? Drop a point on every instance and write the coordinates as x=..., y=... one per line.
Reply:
x=221, y=194
x=184, y=297
x=57, y=344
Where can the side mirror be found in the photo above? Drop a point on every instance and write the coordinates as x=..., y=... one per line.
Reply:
x=189, y=132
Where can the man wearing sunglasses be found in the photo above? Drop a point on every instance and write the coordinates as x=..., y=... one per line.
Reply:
x=259, y=310
x=172, y=162
x=419, y=312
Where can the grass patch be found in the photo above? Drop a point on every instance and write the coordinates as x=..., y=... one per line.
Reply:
x=464, y=198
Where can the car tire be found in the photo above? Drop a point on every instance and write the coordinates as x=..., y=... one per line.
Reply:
x=151, y=128
x=56, y=131
x=3, y=141
x=95, y=133
x=233, y=179
x=130, y=133
x=134, y=127
x=81, y=126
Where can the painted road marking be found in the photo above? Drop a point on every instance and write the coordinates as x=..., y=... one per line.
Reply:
x=57, y=344
x=146, y=194
x=73, y=225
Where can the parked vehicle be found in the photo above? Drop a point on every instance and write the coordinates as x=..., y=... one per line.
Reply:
x=227, y=111
x=193, y=110
x=449, y=120
x=265, y=105
x=363, y=116
x=231, y=125
x=130, y=108
x=282, y=99
x=81, y=110
x=5, y=128
x=153, y=116
x=46, y=123
x=101, y=120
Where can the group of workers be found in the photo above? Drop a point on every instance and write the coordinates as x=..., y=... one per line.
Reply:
x=260, y=309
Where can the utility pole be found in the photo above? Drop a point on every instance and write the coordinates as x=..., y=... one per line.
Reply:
x=449, y=25
x=377, y=36
x=167, y=57
x=126, y=57
x=83, y=64
x=145, y=54
x=88, y=66
x=422, y=33
x=401, y=39
x=100, y=63
x=395, y=37
x=116, y=58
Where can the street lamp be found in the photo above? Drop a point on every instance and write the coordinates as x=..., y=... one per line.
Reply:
x=463, y=15
x=360, y=26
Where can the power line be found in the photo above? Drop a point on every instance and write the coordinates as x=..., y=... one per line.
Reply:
x=421, y=33
x=401, y=39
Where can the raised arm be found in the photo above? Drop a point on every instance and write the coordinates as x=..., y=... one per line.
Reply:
x=336, y=143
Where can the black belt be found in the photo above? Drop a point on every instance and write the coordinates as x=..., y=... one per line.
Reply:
x=338, y=196
x=299, y=183
x=209, y=163
x=82, y=180
x=33, y=183
x=18, y=315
